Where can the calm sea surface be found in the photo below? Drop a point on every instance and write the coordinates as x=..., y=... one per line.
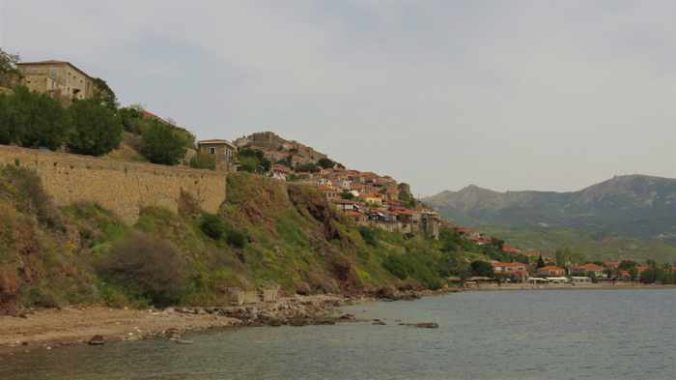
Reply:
x=582, y=334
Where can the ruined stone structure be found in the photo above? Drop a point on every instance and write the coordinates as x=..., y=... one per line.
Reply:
x=121, y=187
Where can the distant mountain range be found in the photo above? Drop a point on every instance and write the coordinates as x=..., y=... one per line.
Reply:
x=634, y=207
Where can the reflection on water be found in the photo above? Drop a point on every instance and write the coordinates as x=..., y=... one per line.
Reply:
x=591, y=334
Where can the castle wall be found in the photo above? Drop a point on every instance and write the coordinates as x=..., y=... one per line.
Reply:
x=121, y=187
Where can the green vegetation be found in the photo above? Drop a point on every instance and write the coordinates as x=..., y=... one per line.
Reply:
x=203, y=160
x=326, y=163
x=308, y=168
x=163, y=144
x=8, y=70
x=253, y=161
x=590, y=246
x=481, y=268
x=147, y=268
x=32, y=120
x=267, y=233
x=96, y=130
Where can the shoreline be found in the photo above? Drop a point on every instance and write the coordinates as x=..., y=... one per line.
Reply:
x=598, y=286
x=52, y=328
x=48, y=329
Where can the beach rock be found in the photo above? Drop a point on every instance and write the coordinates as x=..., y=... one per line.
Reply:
x=96, y=340
x=347, y=317
x=378, y=322
x=427, y=325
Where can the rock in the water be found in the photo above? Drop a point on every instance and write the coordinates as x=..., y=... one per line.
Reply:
x=97, y=340
x=427, y=325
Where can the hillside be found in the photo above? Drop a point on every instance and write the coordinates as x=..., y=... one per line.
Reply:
x=267, y=233
x=639, y=210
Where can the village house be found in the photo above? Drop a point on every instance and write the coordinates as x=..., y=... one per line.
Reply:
x=222, y=151
x=59, y=79
x=346, y=205
x=551, y=271
x=280, y=172
x=515, y=271
x=589, y=269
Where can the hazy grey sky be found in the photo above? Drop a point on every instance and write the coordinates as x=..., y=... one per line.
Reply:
x=533, y=94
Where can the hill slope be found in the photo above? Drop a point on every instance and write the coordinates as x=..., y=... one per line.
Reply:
x=637, y=206
x=637, y=210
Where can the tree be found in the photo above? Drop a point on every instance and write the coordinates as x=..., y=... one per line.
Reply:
x=96, y=130
x=253, y=161
x=307, y=168
x=565, y=257
x=326, y=163
x=32, y=120
x=541, y=262
x=481, y=268
x=104, y=94
x=8, y=70
x=162, y=144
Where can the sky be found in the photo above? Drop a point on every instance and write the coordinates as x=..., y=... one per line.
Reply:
x=504, y=94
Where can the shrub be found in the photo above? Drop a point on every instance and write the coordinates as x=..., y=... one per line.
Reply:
x=212, y=226
x=147, y=268
x=326, y=163
x=96, y=130
x=237, y=239
x=163, y=144
x=203, y=160
x=31, y=198
x=481, y=268
x=253, y=161
x=368, y=235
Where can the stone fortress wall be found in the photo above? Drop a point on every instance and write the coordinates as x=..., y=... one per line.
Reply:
x=119, y=186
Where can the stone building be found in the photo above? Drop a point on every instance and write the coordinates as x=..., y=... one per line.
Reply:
x=60, y=79
x=223, y=151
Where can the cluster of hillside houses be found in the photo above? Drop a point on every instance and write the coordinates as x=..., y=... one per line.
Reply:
x=365, y=197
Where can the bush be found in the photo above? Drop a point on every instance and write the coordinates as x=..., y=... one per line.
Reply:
x=163, y=144
x=147, y=268
x=237, y=239
x=307, y=168
x=368, y=235
x=96, y=130
x=212, y=226
x=481, y=268
x=419, y=267
x=203, y=160
x=32, y=120
x=253, y=161
x=326, y=163
x=26, y=188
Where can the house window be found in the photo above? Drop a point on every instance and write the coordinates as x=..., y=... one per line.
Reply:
x=212, y=150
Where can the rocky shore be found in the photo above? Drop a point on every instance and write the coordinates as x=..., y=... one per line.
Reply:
x=52, y=328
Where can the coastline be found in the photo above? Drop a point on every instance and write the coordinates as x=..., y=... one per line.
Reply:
x=598, y=286
x=52, y=328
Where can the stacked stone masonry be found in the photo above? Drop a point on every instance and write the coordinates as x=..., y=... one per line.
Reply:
x=121, y=187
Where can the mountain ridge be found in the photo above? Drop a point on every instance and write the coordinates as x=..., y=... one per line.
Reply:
x=636, y=205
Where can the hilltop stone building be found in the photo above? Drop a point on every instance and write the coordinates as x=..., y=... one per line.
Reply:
x=60, y=79
x=223, y=151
